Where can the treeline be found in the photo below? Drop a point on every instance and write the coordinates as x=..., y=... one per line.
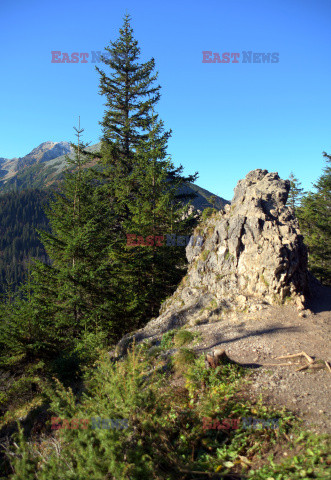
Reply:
x=21, y=214
x=313, y=210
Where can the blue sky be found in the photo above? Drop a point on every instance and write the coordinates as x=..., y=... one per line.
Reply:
x=226, y=118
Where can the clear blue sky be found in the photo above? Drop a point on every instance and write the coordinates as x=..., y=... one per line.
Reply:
x=227, y=118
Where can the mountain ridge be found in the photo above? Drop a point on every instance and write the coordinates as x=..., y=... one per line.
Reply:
x=11, y=167
x=43, y=167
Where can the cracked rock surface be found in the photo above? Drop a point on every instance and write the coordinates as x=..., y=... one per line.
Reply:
x=252, y=256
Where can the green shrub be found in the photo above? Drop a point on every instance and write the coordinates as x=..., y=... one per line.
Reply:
x=167, y=340
x=166, y=438
x=183, y=337
x=182, y=359
x=123, y=391
x=208, y=212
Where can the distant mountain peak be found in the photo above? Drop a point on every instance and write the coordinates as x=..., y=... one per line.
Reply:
x=48, y=150
x=43, y=147
x=44, y=152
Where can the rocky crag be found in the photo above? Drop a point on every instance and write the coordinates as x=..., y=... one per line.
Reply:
x=252, y=256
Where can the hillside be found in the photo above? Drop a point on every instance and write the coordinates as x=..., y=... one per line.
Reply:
x=230, y=381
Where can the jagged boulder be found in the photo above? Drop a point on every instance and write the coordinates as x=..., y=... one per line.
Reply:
x=252, y=255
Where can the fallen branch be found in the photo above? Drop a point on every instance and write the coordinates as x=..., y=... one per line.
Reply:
x=312, y=363
x=301, y=354
x=327, y=366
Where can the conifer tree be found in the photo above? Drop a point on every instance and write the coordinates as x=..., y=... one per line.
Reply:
x=296, y=192
x=87, y=295
x=96, y=285
x=212, y=200
x=68, y=213
x=133, y=150
x=158, y=217
x=131, y=96
x=68, y=310
x=315, y=223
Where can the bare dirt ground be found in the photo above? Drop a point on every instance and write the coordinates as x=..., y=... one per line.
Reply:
x=256, y=339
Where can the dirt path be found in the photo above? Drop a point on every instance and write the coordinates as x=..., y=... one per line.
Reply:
x=256, y=339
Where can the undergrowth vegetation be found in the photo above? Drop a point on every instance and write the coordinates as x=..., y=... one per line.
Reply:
x=143, y=418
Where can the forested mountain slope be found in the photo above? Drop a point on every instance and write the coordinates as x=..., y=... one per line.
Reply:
x=20, y=215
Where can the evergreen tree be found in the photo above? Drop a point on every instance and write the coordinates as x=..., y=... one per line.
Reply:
x=296, y=192
x=65, y=315
x=315, y=223
x=212, y=200
x=131, y=95
x=136, y=181
x=158, y=217
x=76, y=282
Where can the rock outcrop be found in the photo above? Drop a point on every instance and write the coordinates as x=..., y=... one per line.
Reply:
x=253, y=255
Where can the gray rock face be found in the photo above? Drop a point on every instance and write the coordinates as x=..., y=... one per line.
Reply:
x=44, y=152
x=253, y=255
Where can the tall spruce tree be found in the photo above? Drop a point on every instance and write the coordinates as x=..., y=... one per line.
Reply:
x=131, y=95
x=137, y=180
x=315, y=223
x=96, y=284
